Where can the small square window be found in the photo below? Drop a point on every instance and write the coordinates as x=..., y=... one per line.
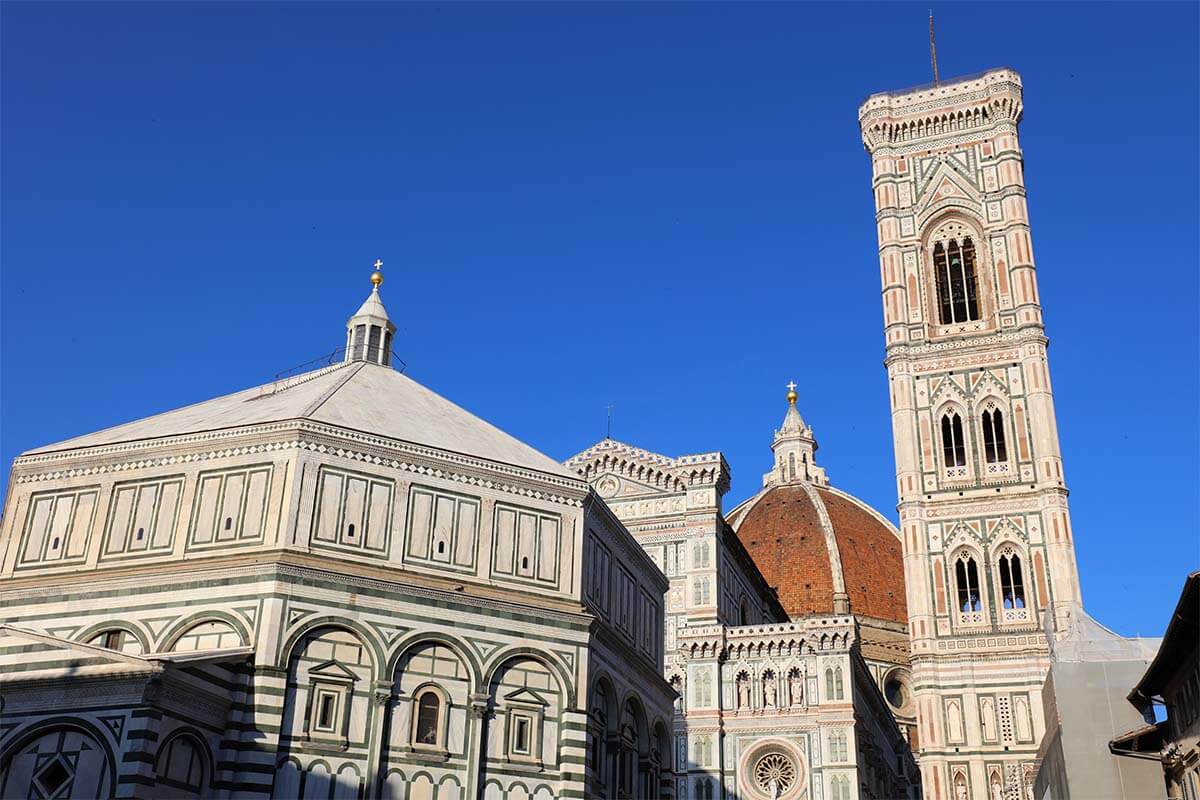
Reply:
x=521, y=735
x=325, y=711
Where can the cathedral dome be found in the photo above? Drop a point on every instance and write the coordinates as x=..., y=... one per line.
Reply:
x=824, y=551
x=816, y=545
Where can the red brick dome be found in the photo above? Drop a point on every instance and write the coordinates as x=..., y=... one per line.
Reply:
x=812, y=543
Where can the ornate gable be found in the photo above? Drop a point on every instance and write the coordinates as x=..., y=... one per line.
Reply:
x=619, y=470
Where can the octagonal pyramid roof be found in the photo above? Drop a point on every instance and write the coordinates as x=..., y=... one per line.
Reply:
x=357, y=395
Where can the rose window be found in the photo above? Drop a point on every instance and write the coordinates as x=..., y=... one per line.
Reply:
x=774, y=774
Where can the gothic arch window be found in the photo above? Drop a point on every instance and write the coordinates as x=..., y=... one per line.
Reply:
x=954, y=452
x=995, y=445
x=966, y=582
x=838, y=751
x=834, y=687
x=1013, y=599
x=1012, y=583
x=954, y=274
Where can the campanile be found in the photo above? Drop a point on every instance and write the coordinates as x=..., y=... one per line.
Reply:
x=988, y=550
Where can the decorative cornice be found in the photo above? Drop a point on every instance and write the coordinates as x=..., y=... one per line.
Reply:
x=319, y=438
x=964, y=345
x=278, y=565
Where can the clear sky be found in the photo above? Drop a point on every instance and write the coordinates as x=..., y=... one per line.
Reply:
x=665, y=207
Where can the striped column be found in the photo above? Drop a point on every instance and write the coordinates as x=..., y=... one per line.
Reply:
x=254, y=734
x=573, y=754
x=135, y=771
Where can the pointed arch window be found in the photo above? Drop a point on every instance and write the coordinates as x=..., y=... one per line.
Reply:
x=954, y=267
x=966, y=574
x=995, y=446
x=954, y=451
x=1012, y=581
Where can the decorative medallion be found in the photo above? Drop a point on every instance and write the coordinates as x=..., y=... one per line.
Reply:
x=607, y=487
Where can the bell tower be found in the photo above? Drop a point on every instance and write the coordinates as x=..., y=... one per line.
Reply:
x=988, y=551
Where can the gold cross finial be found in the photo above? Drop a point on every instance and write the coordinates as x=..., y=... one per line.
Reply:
x=791, y=395
x=377, y=275
x=378, y=263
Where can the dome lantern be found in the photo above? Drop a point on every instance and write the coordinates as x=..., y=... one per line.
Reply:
x=369, y=332
x=795, y=449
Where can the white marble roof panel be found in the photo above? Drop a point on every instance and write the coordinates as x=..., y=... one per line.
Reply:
x=365, y=397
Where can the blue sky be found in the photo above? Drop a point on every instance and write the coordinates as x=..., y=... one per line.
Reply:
x=665, y=207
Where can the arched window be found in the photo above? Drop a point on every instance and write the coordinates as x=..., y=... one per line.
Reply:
x=838, y=687
x=966, y=575
x=792, y=466
x=954, y=267
x=1012, y=582
x=954, y=452
x=994, y=447
x=182, y=766
x=427, y=730
x=829, y=683
x=117, y=639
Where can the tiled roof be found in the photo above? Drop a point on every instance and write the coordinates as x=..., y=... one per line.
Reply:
x=784, y=534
